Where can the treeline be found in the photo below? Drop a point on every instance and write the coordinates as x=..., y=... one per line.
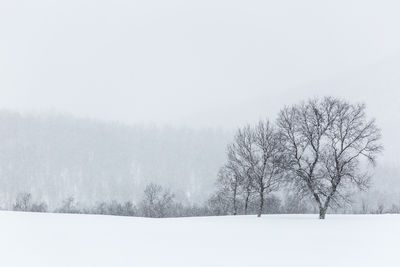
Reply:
x=158, y=202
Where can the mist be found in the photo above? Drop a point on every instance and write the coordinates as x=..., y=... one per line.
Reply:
x=209, y=65
x=199, y=133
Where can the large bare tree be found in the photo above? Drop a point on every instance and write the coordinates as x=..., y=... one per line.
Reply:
x=325, y=141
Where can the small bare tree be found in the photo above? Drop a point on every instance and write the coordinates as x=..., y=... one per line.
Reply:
x=325, y=141
x=238, y=161
x=157, y=201
x=69, y=205
x=23, y=202
x=230, y=180
x=219, y=203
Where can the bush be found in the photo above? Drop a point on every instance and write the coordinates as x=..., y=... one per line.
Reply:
x=115, y=208
x=24, y=202
x=68, y=206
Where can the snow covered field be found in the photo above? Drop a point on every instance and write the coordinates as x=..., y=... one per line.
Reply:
x=54, y=240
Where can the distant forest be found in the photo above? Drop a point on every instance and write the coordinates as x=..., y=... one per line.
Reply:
x=55, y=157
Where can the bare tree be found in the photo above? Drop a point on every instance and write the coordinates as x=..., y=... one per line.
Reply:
x=24, y=202
x=248, y=191
x=267, y=160
x=230, y=180
x=238, y=160
x=325, y=140
x=219, y=203
x=256, y=156
x=69, y=205
x=157, y=201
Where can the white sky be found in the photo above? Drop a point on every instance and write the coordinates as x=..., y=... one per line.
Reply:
x=199, y=63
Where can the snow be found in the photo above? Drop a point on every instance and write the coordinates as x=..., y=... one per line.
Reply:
x=33, y=239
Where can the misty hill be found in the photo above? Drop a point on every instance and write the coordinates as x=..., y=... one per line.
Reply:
x=57, y=156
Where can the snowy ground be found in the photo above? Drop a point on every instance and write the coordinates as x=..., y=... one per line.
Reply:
x=54, y=240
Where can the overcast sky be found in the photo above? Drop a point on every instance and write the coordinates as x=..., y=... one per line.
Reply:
x=199, y=63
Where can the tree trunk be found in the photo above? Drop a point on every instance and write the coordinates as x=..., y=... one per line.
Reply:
x=260, y=208
x=324, y=208
x=322, y=213
x=234, y=202
x=246, y=202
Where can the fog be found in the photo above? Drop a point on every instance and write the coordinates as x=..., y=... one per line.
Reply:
x=199, y=64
